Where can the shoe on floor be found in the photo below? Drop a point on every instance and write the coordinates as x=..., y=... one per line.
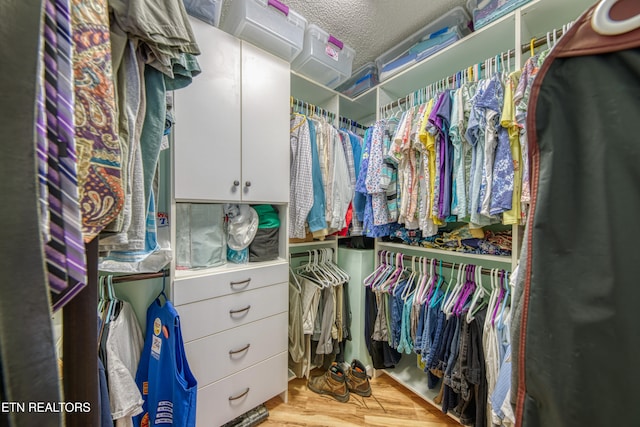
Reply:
x=332, y=383
x=358, y=380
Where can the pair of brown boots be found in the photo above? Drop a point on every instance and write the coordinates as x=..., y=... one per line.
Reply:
x=338, y=384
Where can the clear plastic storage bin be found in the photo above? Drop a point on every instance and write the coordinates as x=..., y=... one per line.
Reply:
x=486, y=11
x=268, y=24
x=205, y=10
x=324, y=58
x=444, y=31
x=361, y=80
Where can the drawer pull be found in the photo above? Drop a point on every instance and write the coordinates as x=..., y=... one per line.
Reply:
x=241, y=282
x=242, y=310
x=245, y=348
x=241, y=395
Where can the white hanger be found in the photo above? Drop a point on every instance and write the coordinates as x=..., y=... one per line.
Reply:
x=477, y=296
x=603, y=24
x=447, y=306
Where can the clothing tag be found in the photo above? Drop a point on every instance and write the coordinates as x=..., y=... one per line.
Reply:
x=156, y=347
x=332, y=52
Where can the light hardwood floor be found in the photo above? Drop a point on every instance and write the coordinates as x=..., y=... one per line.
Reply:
x=390, y=405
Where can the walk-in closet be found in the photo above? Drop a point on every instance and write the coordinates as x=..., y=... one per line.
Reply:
x=288, y=213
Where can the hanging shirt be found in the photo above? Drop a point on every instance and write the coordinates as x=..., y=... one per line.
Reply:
x=167, y=385
x=475, y=134
x=316, y=219
x=300, y=176
x=342, y=190
x=124, y=345
x=460, y=146
x=508, y=121
x=491, y=103
x=432, y=127
x=430, y=144
x=442, y=122
x=521, y=100
x=503, y=167
x=378, y=196
x=468, y=93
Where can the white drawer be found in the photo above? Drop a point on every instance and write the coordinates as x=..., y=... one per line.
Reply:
x=198, y=288
x=225, y=353
x=226, y=399
x=211, y=316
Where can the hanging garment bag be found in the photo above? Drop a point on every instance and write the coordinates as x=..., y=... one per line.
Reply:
x=167, y=385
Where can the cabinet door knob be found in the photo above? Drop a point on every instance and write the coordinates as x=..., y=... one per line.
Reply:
x=236, y=183
x=247, y=184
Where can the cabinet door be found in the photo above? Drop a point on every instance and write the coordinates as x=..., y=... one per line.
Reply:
x=265, y=126
x=207, y=129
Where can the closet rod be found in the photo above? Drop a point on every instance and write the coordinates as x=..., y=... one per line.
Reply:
x=526, y=47
x=543, y=40
x=485, y=271
x=350, y=122
x=305, y=254
x=140, y=276
x=294, y=102
x=446, y=81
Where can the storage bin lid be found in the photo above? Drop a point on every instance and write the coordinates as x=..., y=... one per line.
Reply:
x=324, y=58
x=268, y=24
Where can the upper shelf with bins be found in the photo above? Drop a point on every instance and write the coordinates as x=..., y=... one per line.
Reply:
x=506, y=33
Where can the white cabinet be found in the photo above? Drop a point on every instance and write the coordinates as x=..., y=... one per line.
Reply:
x=265, y=126
x=231, y=131
x=207, y=129
x=231, y=144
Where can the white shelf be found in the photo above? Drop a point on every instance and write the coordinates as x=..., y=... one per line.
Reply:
x=479, y=258
x=541, y=16
x=489, y=41
x=410, y=376
x=314, y=93
x=228, y=267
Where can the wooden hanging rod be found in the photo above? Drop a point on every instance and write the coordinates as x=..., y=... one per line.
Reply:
x=140, y=276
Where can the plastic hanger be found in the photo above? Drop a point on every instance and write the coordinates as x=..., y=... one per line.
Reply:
x=393, y=279
x=374, y=275
x=469, y=287
x=447, y=306
x=391, y=268
x=102, y=301
x=435, y=298
x=308, y=272
x=410, y=288
x=381, y=270
x=602, y=23
x=164, y=284
x=478, y=300
x=294, y=279
x=422, y=284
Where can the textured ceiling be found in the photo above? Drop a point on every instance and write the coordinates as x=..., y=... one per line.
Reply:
x=369, y=26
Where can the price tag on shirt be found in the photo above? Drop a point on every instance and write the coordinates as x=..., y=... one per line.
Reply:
x=331, y=51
